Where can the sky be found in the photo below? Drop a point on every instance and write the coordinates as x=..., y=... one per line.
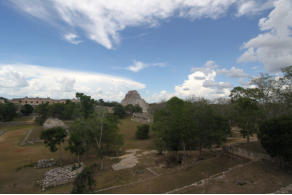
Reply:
x=184, y=48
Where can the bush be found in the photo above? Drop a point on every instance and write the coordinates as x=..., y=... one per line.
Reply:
x=26, y=109
x=84, y=182
x=7, y=112
x=276, y=137
x=142, y=132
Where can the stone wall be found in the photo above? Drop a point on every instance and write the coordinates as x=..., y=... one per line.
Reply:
x=234, y=149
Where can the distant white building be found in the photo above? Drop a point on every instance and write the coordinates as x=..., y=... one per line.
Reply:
x=37, y=101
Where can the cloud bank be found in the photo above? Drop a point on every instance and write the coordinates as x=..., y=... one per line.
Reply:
x=38, y=81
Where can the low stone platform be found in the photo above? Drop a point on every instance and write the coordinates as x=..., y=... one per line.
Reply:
x=59, y=176
x=45, y=163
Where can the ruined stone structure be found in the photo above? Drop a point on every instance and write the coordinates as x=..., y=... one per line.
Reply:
x=142, y=117
x=133, y=97
x=59, y=176
x=45, y=163
x=37, y=101
x=54, y=122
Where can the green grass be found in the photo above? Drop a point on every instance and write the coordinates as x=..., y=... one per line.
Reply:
x=128, y=130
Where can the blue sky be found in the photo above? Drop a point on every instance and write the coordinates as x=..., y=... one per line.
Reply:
x=185, y=48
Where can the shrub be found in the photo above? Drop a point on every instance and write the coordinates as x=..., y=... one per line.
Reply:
x=26, y=109
x=142, y=131
x=276, y=137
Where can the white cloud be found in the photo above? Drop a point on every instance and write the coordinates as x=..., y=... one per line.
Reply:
x=201, y=83
x=37, y=81
x=138, y=65
x=233, y=72
x=102, y=20
x=72, y=38
x=273, y=47
x=252, y=7
x=11, y=79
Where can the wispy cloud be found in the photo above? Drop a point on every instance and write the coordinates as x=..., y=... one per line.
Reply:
x=138, y=65
x=102, y=20
x=72, y=38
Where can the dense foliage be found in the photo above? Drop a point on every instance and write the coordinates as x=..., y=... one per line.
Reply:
x=120, y=111
x=26, y=109
x=142, y=131
x=84, y=182
x=188, y=126
x=99, y=132
x=53, y=137
x=133, y=108
x=7, y=111
x=276, y=137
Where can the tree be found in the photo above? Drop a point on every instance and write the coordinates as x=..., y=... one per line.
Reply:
x=119, y=111
x=87, y=105
x=99, y=132
x=42, y=111
x=53, y=138
x=206, y=128
x=26, y=109
x=142, y=131
x=275, y=136
x=7, y=111
x=77, y=143
x=188, y=126
x=246, y=108
x=84, y=182
x=130, y=108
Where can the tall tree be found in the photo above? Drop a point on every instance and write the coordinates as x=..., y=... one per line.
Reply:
x=247, y=110
x=84, y=182
x=7, y=111
x=275, y=136
x=53, y=138
x=87, y=105
x=188, y=126
x=26, y=109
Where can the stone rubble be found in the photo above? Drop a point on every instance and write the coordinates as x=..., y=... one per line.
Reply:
x=59, y=176
x=45, y=163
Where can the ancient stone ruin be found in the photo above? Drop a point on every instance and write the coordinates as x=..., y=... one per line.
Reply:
x=133, y=97
x=142, y=117
x=59, y=176
x=45, y=163
x=53, y=122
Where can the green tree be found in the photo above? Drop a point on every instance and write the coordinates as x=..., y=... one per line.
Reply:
x=84, y=182
x=142, y=131
x=130, y=108
x=119, y=111
x=275, y=136
x=53, y=138
x=7, y=111
x=42, y=111
x=26, y=109
x=205, y=127
x=87, y=105
x=77, y=143
x=188, y=126
x=246, y=109
x=99, y=132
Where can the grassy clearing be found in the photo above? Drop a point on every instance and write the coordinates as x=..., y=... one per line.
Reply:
x=128, y=129
x=178, y=178
x=255, y=178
